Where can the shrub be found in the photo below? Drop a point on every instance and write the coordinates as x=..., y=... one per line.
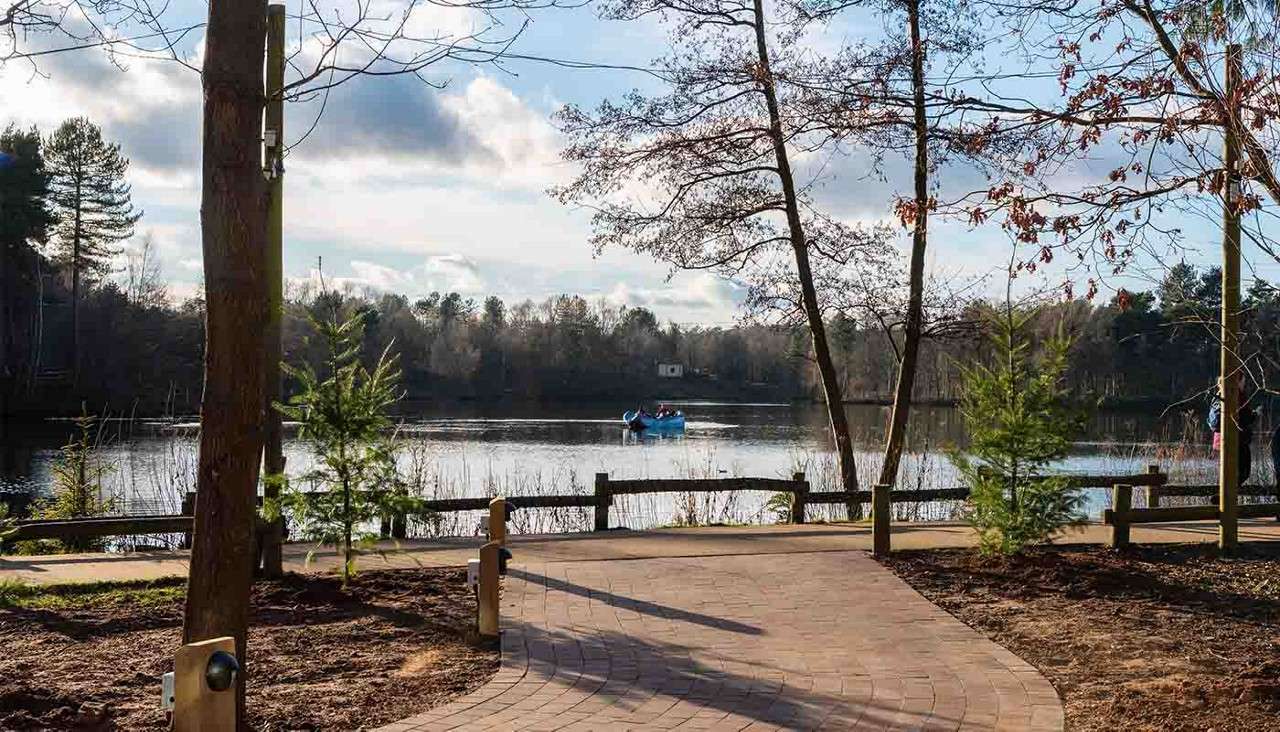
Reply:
x=77, y=486
x=1020, y=420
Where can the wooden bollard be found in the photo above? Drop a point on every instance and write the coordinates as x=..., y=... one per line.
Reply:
x=498, y=521
x=196, y=706
x=188, y=509
x=881, y=515
x=1121, y=502
x=1153, y=491
x=488, y=594
x=604, y=499
x=799, y=499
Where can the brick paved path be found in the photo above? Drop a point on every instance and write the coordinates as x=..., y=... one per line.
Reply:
x=784, y=641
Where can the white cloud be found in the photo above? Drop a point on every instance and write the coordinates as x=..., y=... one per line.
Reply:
x=436, y=273
x=401, y=129
x=696, y=296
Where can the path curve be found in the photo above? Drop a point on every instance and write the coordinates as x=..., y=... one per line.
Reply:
x=827, y=640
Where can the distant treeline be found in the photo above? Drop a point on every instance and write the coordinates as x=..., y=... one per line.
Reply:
x=64, y=270
x=142, y=354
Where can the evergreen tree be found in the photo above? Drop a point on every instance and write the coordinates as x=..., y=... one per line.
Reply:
x=1020, y=420
x=24, y=219
x=343, y=416
x=93, y=206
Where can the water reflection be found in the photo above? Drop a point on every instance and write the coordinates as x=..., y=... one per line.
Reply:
x=486, y=449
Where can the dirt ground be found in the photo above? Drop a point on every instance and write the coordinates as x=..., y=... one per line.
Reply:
x=394, y=644
x=1155, y=638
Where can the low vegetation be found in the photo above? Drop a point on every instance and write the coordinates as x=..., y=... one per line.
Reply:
x=84, y=595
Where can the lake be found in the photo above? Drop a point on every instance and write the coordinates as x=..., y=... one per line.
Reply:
x=462, y=451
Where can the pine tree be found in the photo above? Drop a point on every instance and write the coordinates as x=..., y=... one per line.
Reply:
x=1020, y=419
x=342, y=413
x=24, y=220
x=92, y=203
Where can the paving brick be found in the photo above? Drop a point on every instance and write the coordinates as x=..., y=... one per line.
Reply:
x=806, y=640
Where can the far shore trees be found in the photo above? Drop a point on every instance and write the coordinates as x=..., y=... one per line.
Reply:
x=701, y=176
x=92, y=204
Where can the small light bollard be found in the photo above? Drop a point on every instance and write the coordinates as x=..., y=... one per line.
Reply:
x=488, y=592
x=204, y=680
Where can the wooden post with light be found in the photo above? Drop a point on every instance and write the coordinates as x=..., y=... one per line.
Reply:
x=488, y=591
x=204, y=684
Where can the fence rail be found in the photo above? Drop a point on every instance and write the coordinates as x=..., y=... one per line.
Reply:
x=605, y=490
x=95, y=527
x=1122, y=514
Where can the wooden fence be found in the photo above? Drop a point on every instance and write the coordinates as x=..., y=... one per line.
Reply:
x=1122, y=515
x=602, y=499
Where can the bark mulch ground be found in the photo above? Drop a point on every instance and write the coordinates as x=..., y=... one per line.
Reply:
x=1154, y=638
x=393, y=644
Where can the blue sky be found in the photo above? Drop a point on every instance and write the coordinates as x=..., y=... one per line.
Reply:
x=409, y=188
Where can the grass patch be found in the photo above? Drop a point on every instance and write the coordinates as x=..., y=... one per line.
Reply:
x=77, y=595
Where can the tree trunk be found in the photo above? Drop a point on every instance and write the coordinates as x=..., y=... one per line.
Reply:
x=75, y=292
x=809, y=295
x=919, y=241
x=233, y=228
x=8, y=370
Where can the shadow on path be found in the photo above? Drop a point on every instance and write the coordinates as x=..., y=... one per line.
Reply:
x=630, y=603
x=649, y=678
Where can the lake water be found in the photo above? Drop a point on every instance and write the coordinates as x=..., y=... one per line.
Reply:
x=521, y=450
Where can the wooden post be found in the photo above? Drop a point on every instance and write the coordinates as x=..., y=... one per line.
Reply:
x=604, y=499
x=196, y=707
x=188, y=509
x=1121, y=502
x=1229, y=457
x=273, y=444
x=1153, y=491
x=488, y=594
x=881, y=514
x=498, y=521
x=799, y=499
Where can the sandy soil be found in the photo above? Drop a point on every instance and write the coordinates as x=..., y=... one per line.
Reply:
x=1155, y=638
x=394, y=644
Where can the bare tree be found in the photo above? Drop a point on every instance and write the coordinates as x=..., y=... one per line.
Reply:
x=701, y=176
x=143, y=279
x=1141, y=94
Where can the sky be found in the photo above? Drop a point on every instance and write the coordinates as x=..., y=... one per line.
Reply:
x=412, y=187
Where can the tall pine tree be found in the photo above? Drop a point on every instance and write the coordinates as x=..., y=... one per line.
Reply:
x=24, y=219
x=92, y=202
